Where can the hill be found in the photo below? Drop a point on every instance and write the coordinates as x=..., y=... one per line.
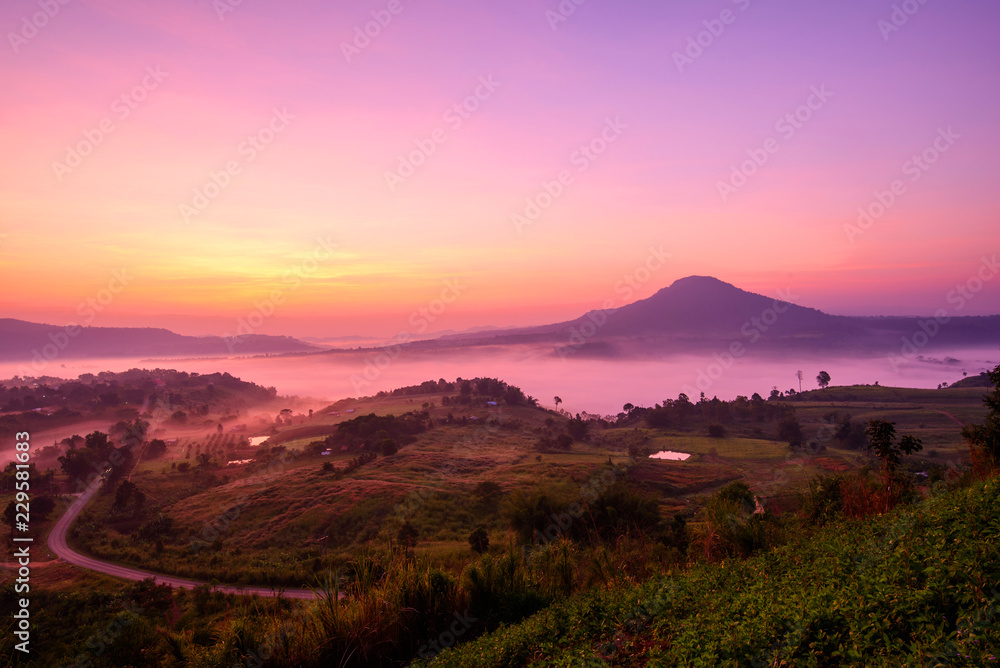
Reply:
x=381, y=500
x=35, y=344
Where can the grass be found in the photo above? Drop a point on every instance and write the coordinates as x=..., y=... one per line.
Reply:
x=916, y=587
x=729, y=448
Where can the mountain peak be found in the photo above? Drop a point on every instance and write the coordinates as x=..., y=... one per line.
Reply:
x=700, y=283
x=699, y=280
x=705, y=304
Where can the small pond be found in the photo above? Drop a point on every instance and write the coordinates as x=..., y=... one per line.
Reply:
x=669, y=454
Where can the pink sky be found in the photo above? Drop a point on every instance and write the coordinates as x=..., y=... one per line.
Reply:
x=330, y=127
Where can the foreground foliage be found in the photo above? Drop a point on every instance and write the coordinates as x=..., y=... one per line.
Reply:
x=917, y=587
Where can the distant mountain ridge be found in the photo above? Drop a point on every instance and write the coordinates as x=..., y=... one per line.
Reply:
x=35, y=343
x=701, y=313
x=695, y=314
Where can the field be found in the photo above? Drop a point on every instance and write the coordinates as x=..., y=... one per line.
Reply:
x=282, y=521
x=292, y=516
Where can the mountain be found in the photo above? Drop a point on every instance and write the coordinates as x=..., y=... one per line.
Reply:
x=699, y=305
x=701, y=313
x=31, y=342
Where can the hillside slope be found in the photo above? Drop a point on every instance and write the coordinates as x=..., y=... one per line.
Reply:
x=915, y=587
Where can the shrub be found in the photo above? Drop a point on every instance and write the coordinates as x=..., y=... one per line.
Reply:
x=824, y=500
x=735, y=526
x=479, y=540
x=577, y=429
x=388, y=447
x=498, y=589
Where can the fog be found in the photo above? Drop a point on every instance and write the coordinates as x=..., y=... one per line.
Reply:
x=594, y=386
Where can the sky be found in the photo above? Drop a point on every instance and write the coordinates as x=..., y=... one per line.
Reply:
x=328, y=169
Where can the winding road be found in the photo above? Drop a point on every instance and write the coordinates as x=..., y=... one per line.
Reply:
x=57, y=543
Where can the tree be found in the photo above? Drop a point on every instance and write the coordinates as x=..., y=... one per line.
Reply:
x=628, y=408
x=557, y=400
x=881, y=441
x=823, y=379
x=489, y=494
x=790, y=430
x=389, y=447
x=577, y=428
x=156, y=449
x=99, y=443
x=986, y=436
x=133, y=432
x=479, y=540
x=41, y=507
x=76, y=463
x=799, y=374
x=128, y=497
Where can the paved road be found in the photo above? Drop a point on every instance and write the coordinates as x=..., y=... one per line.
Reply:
x=57, y=543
